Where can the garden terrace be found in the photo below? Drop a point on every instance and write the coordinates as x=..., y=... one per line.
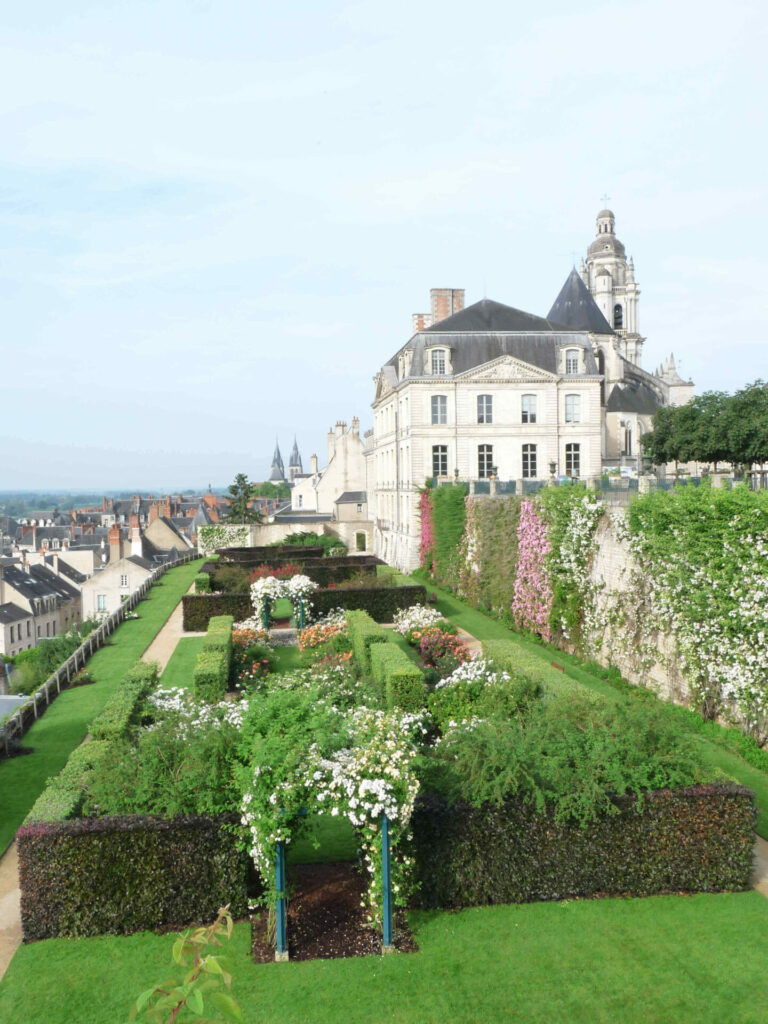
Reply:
x=291, y=552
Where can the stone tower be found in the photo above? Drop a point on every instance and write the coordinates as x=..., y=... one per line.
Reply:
x=294, y=463
x=610, y=277
x=277, y=473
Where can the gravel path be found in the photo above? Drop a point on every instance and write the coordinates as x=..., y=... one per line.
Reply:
x=164, y=644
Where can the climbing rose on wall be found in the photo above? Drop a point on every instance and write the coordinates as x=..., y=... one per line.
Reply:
x=532, y=599
x=427, y=543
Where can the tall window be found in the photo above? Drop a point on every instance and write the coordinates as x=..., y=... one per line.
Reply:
x=438, y=360
x=529, y=461
x=123, y=581
x=439, y=408
x=627, y=439
x=484, y=409
x=529, y=408
x=571, y=360
x=572, y=459
x=484, y=460
x=618, y=316
x=439, y=460
x=101, y=603
x=573, y=408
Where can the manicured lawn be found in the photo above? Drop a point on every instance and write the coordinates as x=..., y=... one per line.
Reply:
x=181, y=666
x=336, y=839
x=485, y=628
x=687, y=960
x=288, y=658
x=55, y=735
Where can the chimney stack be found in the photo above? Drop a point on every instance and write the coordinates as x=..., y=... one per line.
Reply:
x=115, y=543
x=154, y=512
x=313, y=464
x=445, y=302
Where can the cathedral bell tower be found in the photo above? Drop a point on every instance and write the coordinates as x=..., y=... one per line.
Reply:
x=610, y=278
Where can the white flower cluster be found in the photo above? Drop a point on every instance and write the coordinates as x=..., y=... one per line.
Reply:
x=419, y=616
x=477, y=670
x=571, y=561
x=296, y=589
x=191, y=715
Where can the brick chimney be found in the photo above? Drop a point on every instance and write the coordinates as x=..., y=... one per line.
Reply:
x=166, y=508
x=445, y=302
x=420, y=321
x=154, y=512
x=115, y=544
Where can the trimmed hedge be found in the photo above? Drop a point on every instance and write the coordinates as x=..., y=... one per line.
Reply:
x=693, y=840
x=202, y=583
x=214, y=663
x=511, y=657
x=63, y=797
x=123, y=708
x=120, y=875
x=321, y=574
x=381, y=603
x=198, y=609
x=363, y=632
x=400, y=681
x=290, y=552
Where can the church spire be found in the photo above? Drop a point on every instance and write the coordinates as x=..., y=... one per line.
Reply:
x=277, y=473
x=294, y=464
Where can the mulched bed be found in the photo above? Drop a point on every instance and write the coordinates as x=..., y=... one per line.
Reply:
x=325, y=919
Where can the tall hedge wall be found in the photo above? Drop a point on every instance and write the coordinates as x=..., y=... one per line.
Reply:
x=120, y=875
x=381, y=603
x=290, y=552
x=198, y=609
x=692, y=840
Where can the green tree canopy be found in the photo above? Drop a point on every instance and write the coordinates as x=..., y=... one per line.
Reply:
x=240, y=494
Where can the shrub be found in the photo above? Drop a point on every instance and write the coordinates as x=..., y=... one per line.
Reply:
x=380, y=603
x=123, y=709
x=219, y=634
x=509, y=656
x=202, y=583
x=211, y=675
x=694, y=840
x=400, y=682
x=478, y=689
x=199, y=608
x=363, y=632
x=441, y=650
x=121, y=875
x=63, y=797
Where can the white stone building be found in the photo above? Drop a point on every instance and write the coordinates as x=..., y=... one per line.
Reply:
x=490, y=391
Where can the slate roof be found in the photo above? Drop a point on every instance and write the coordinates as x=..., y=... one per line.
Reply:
x=632, y=396
x=65, y=569
x=575, y=307
x=488, y=315
x=352, y=498
x=10, y=613
x=62, y=588
x=488, y=330
x=39, y=583
x=142, y=563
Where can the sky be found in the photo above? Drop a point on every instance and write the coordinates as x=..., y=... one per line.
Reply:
x=217, y=216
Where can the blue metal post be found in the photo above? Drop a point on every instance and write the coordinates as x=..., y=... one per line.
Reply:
x=266, y=613
x=386, y=884
x=281, y=905
x=301, y=613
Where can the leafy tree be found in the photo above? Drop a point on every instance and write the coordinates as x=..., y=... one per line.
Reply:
x=240, y=495
x=270, y=490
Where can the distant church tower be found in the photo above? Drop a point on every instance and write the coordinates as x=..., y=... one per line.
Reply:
x=277, y=474
x=610, y=278
x=294, y=464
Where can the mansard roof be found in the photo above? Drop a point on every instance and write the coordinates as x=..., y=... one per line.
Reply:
x=488, y=315
x=632, y=396
x=575, y=307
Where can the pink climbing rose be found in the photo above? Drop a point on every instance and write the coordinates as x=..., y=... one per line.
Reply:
x=532, y=601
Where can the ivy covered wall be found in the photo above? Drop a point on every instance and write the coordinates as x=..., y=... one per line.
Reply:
x=674, y=592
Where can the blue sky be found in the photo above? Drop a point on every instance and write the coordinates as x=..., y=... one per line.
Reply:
x=216, y=218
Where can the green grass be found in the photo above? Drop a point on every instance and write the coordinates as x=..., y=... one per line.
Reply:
x=281, y=609
x=181, y=665
x=55, y=735
x=335, y=838
x=484, y=627
x=288, y=658
x=687, y=960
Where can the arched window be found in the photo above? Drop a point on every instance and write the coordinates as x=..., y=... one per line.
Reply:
x=618, y=316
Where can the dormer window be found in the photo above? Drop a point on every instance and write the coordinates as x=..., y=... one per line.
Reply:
x=571, y=360
x=438, y=361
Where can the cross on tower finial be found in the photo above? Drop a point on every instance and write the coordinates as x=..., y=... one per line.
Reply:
x=605, y=198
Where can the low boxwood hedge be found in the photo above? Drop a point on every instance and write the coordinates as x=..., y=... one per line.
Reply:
x=202, y=583
x=123, y=708
x=510, y=656
x=114, y=876
x=363, y=632
x=62, y=798
x=198, y=609
x=399, y=680
x=381, y=603
x=289, y=552
x=693, y=840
